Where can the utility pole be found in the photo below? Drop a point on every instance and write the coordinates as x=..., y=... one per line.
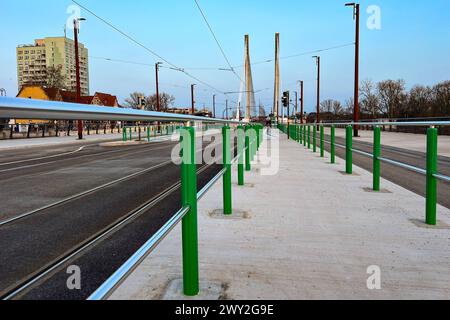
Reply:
x=301, y=103
x=296, y=106
x=214, y=106
x=318, y=88
x=192, y=98
x=356, y=11
x=77, y=72
x=226, y=108
x=158, y=100
x=276, y=95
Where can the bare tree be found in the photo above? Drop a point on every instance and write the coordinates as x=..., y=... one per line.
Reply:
x=166, y=102
x=337, y=108
x=369, y=99
x=133, y=101
x=441, y=99
x=54, y=78
x=392, y=97
x=420, y=101
x=349, y=106
x=326, y=106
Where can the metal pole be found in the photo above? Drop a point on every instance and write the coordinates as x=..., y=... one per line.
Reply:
x=189, y=224
x=241, y=160
x=226, y=108
x=309, y=137
x=376, y=158
x=349, y=151
x=302, y=104
x=315, y=139
x=77, y=72
x=356, y=94
x=214, y=106
x=318, y=90
x=227, y=201
x=333, y=146
x=192, y=99
x=322, y=142
x=248, y=166
x=432, y=166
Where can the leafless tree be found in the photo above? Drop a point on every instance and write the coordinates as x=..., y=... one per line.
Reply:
x=133, y=101
x=166, y=102
x=392, y=97
x=369, y=99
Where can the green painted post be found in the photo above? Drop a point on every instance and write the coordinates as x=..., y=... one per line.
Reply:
x=376, y=158
x=349, y=151
x=241, y=154
x=309, y=137
x=258, y=137
x=131, y=134
x=124, y=135
x=148, y=134
x=227, y=201
x=333, y=145
x=315, y=139
x=432, y=168
x=189, y=223
x=304, y=136
x=248, y=165
x=322, y=141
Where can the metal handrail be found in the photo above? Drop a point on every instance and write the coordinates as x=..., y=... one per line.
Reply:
x=18, y=108
x=412, y=123
x=113, y=282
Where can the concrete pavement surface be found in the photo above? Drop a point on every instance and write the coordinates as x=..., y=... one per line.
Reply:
x=309, y=232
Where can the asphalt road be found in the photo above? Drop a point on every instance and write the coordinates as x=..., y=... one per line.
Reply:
x=409, y=180
x=37, y=242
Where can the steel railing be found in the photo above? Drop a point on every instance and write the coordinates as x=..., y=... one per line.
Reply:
x=249, y=140
x=307, y=134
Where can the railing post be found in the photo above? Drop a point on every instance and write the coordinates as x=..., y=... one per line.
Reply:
x=309, y=137
x=148, y=134
x=432, y=166
x=349, y=151
x=131, y=134
x=333, y=145
x=304, y=136
x=227, y=201
x=315, y=138
x=189, y=224
x=301, y=134
x=241, y=156
x=258, y=137
x=376, y=158
x=248, y=166
x=124, y=135
x=322, y=142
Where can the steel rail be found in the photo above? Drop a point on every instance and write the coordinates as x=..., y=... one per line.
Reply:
x=18, y=108
x=403, y=165
x=113, y=282
x=84, y=193
x=95, y=239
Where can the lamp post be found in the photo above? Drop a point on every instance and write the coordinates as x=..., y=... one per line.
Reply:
x=192, y=98
x=356, y=11
x=214, y=106
x=318, y=88
x=77, y=72
x=301, y=102
x=158, y=100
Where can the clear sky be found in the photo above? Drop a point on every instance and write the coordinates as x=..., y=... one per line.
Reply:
x=413, y=43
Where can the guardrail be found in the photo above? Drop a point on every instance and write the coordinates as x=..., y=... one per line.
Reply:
x=249, y=140
x=302, y=134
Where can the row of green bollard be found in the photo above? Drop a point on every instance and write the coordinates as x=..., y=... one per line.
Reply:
x=127, y=132
x=249, y=139
x=302, y=134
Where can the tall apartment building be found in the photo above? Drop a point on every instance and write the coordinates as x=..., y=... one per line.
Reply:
x=58, y=52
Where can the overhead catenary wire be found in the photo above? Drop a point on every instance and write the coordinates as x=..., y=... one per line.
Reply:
x=217, y=41
x=146, y=48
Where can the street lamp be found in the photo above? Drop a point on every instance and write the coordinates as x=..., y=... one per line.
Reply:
x=192, y=98
x=301, y=101
x=158, y=101
x=318, y=88
x=77, y=71
x=356, y=11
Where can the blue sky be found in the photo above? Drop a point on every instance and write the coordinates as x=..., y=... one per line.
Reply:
x=413, y=43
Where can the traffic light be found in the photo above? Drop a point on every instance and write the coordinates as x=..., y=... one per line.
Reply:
x=285, y=100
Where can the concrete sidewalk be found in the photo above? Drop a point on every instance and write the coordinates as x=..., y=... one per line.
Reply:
x=409, y=141
x=309, y=232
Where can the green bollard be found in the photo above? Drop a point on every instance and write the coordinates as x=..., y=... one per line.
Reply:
x=304, y=136
x=241, y=155
x=300, y=135
x=227, y=201
x=322, y=142
x=131, y=134
x=124, y=135
x=148, y=134
x=349, y=151
x=315, y=139
x=333, y=145
x=189, y=223
x=432, y=168
x=248, y=165
x=376, y=158
x=258, y=137
x=309, y=137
